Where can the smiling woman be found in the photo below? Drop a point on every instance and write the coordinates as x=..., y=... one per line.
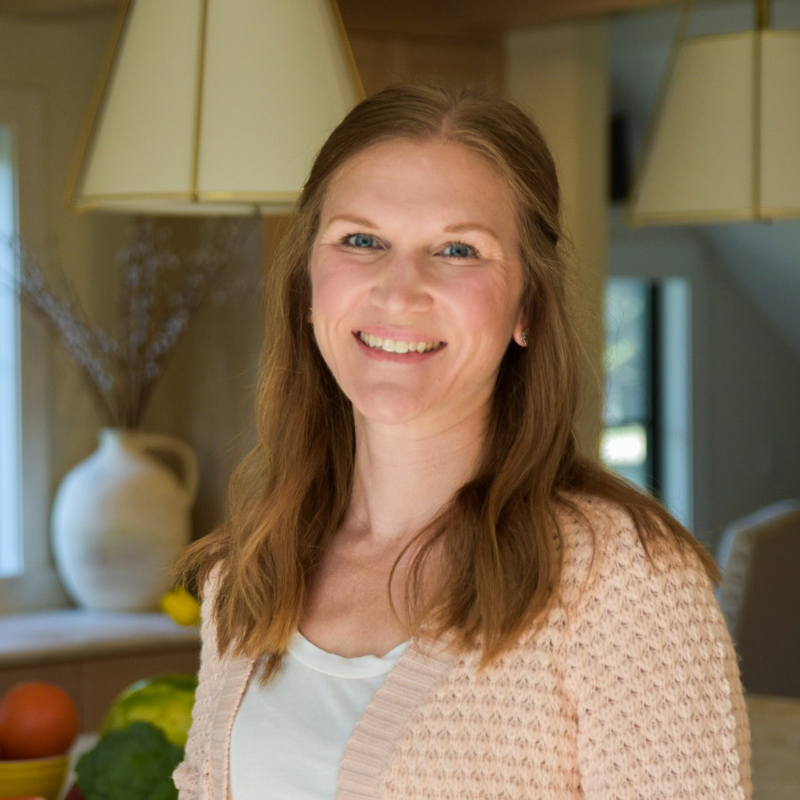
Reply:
x=424, y=589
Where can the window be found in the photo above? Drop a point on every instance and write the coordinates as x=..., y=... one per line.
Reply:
x=630, y=431
x=27, y=577
x=647, y=421
x=10, y=429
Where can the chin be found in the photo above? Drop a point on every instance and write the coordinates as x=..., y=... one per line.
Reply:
x=387, y=407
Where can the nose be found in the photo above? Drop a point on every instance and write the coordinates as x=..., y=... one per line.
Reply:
x=402, y=284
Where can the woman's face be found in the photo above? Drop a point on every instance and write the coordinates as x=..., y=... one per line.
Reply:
x=417, y=281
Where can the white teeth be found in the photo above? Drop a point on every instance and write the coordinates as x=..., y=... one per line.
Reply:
x=397, y=346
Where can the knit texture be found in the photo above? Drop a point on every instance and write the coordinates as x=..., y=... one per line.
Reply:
x=629, y=689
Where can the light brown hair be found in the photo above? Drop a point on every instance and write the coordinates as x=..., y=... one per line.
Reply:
x=499, y=535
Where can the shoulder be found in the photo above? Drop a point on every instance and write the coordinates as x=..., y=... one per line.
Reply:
x=649, y=662
x=211, y=583
x=603, y=550
x=629, y=597
x=209, y=592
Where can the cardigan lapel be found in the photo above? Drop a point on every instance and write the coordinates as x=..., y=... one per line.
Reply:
x=416, y=675
x=219, y=743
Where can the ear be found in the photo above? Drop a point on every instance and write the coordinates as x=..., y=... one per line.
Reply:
x=521, y=329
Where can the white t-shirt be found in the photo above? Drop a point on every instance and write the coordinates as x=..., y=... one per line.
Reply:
x=289, y=737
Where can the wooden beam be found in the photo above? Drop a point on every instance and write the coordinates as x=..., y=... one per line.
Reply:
x=476, y=18
x=55, y=9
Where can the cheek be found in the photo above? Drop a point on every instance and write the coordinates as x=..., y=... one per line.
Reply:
x=338, y=289
x=314, y=275
x=494, y=305
x=323, y=294
x=327, y=299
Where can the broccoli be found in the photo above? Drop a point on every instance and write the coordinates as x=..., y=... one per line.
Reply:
x=131, y=764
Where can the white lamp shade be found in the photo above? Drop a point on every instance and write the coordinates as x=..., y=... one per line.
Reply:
x=726, y=142
x=216, y=106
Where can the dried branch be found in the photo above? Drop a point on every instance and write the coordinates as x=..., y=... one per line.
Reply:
x=159, y=296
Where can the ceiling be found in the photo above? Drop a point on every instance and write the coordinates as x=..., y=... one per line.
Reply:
x=455, y=17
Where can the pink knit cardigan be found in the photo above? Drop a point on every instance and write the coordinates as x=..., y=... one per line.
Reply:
x=630, y=690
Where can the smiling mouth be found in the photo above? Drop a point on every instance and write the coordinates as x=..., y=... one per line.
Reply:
x=397, y=346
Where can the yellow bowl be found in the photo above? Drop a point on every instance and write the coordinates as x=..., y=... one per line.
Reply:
x=36, y=777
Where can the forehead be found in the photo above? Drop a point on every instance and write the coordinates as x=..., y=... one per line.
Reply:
x=456, y=172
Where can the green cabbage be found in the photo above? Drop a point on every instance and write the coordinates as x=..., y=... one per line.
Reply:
x=131, y=764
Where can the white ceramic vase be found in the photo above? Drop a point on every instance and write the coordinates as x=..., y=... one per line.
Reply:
x=121, y=517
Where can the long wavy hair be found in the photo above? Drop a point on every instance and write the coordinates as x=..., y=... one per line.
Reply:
x=498, y=536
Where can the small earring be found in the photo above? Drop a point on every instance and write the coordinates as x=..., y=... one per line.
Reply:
x=310, y=317
x=523, y=337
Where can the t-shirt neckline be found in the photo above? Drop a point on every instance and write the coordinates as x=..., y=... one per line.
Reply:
x=313, y=657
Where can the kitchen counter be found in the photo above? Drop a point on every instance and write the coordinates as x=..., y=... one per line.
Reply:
x=42, y=637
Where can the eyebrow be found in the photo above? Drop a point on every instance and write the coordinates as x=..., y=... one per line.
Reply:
x=471, y=226
x=352, y=218
x=462, y=227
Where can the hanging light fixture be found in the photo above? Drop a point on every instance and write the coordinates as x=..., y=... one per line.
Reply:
x=725, y=141
x=214, y=106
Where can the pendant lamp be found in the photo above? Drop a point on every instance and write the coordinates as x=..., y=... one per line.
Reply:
x=214, y=106
x=725, y=140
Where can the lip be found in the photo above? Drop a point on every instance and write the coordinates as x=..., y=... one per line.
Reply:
x=405, y=336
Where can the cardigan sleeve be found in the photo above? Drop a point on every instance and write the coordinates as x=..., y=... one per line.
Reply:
x=189, y=776
x=658, y=698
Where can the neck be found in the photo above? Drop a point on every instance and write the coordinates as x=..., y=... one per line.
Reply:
x=403, y=480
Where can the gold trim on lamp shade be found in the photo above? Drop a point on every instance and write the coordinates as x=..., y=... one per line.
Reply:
x=198, y=115
x=351, y=59
x=96, y=101
x=220, y=102
x=724, y=143
x=185, y=203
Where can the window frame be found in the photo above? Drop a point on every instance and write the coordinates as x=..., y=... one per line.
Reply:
x=38, y=585
x=10, y=390
x=649, y=419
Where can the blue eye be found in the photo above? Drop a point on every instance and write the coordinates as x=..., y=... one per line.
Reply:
x=459, y=250
x=360, y=240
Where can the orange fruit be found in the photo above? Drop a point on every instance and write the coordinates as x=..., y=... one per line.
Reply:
x=37, y=720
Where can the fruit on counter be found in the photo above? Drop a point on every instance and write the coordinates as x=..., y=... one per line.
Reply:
x=164, y=701
x=182, y=606
x=132, y=764
x=37, y=720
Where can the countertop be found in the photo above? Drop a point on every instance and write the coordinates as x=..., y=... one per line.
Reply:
x=63, y=634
